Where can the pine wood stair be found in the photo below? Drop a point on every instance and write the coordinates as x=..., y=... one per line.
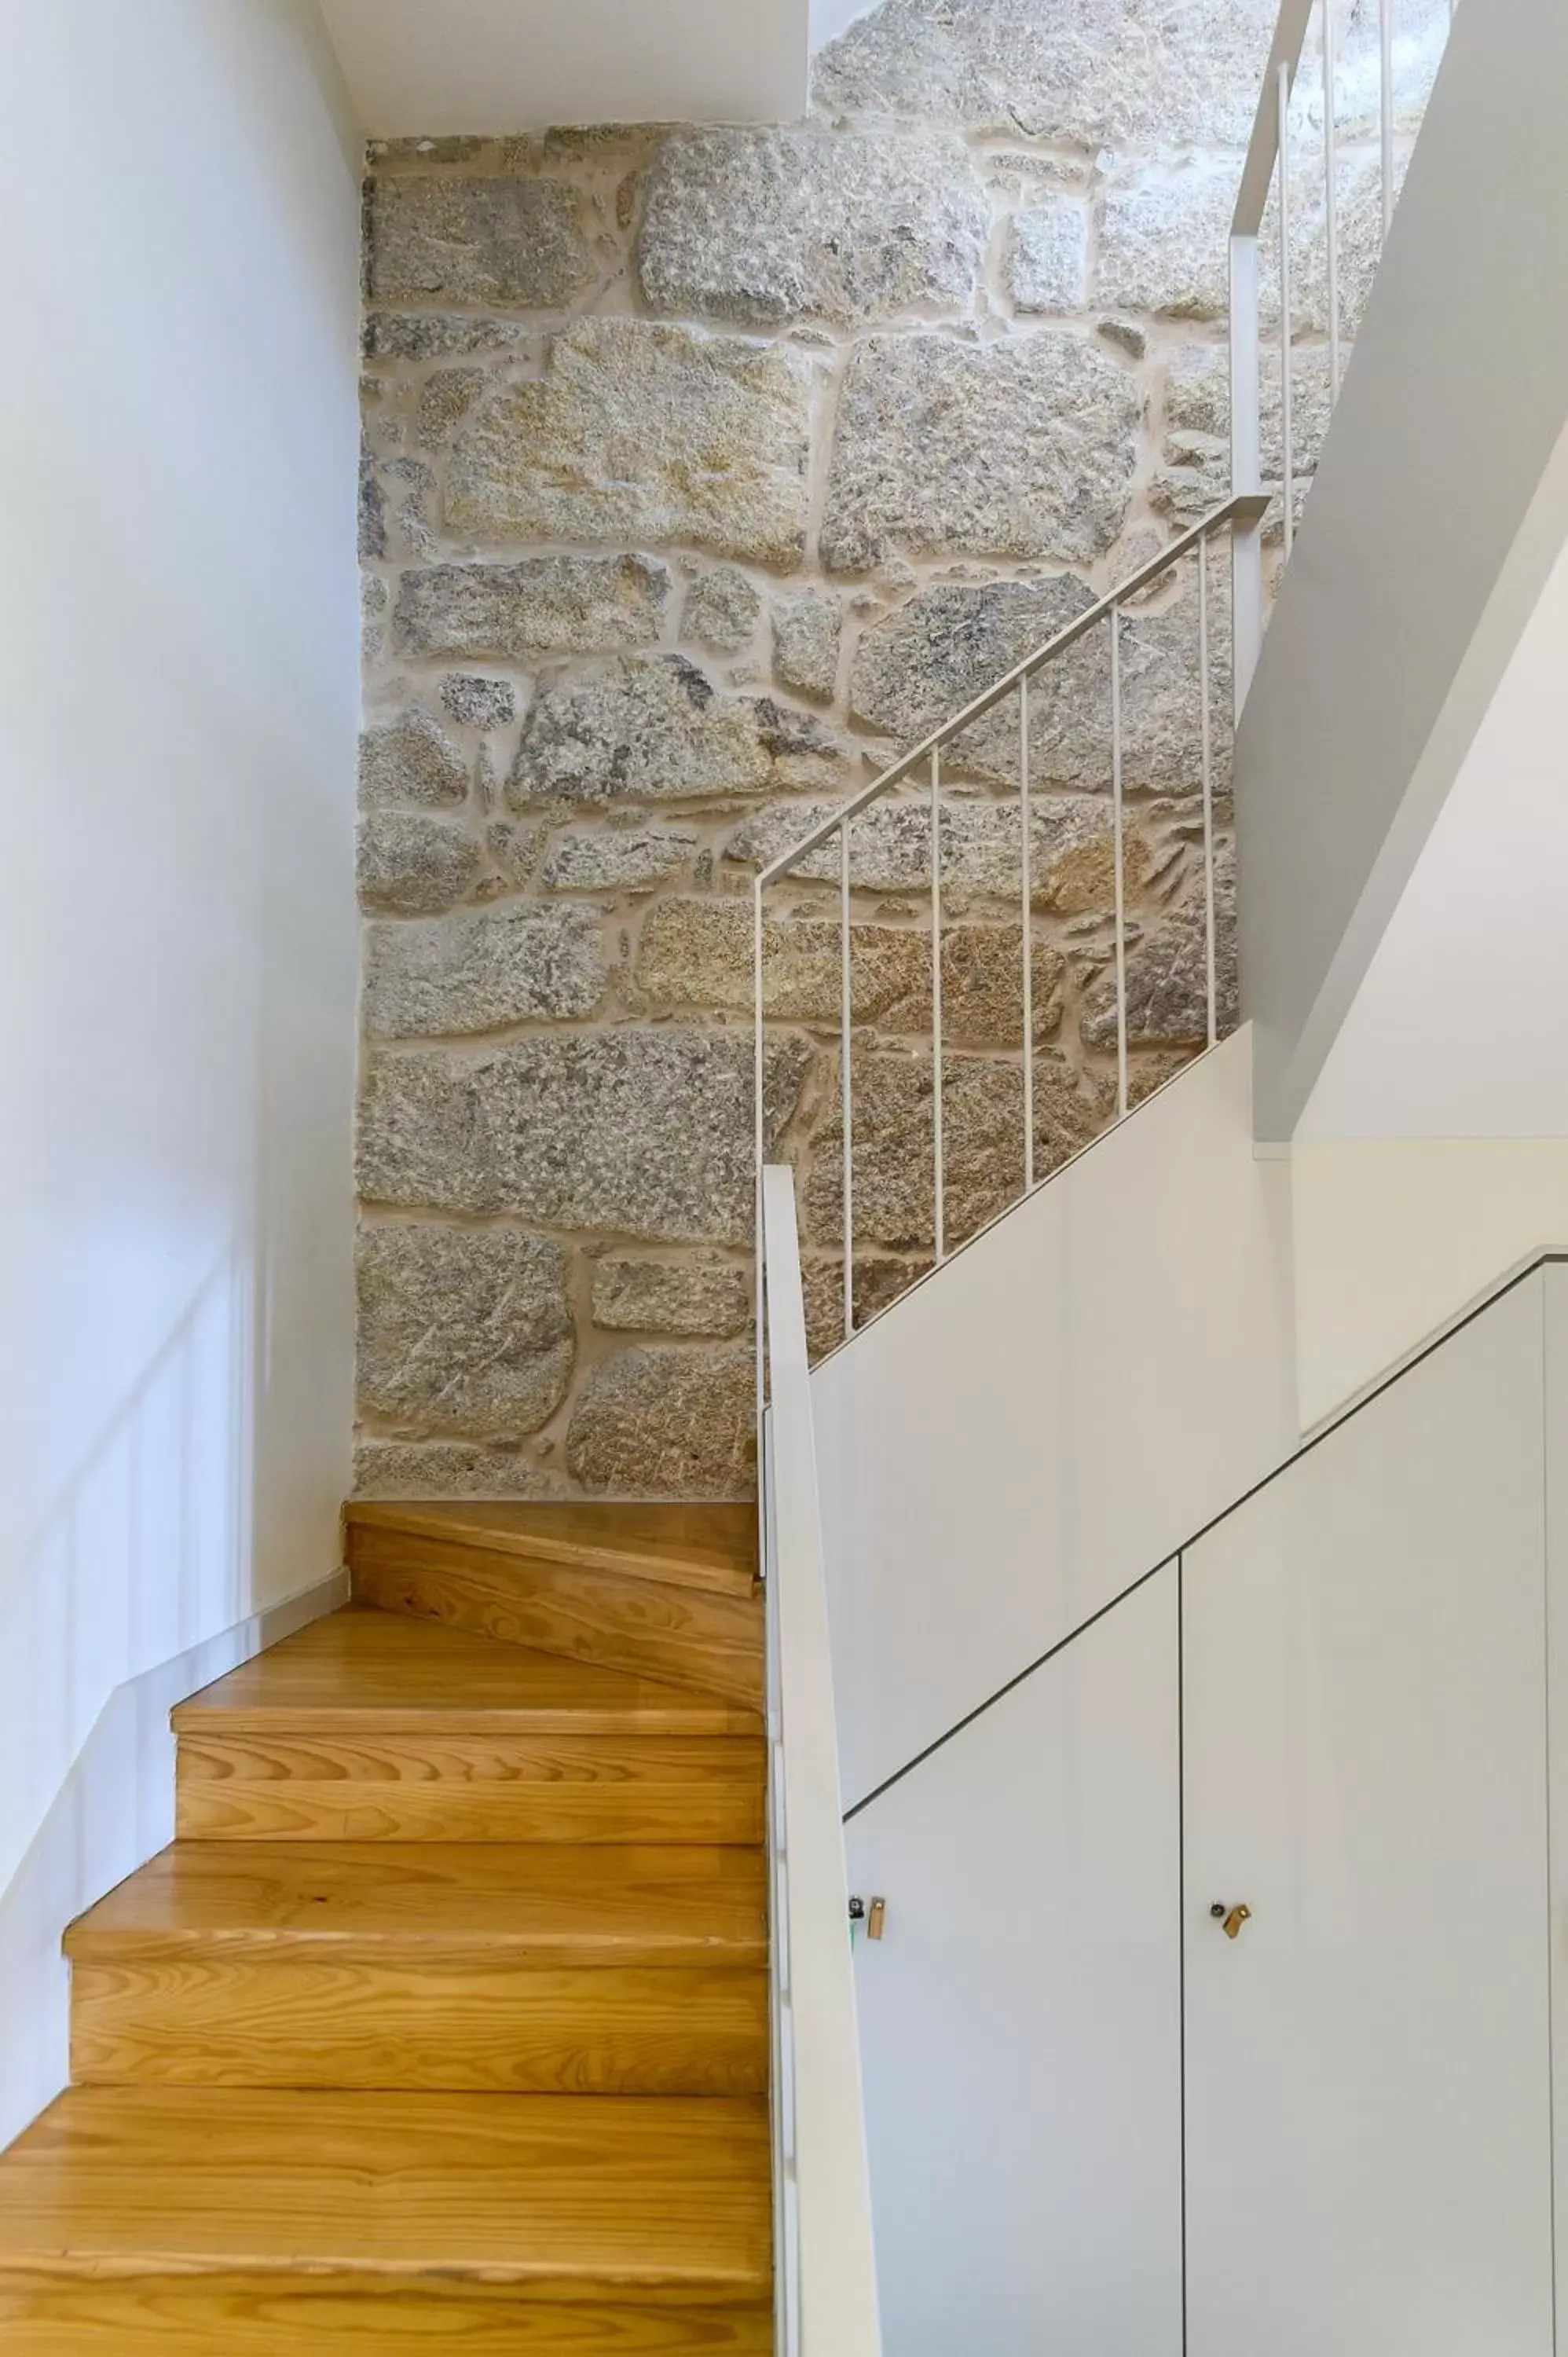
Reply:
x=443, y=2024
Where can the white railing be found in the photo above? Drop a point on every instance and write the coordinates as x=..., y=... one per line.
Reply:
x=1399, y=73
x=823, y=2260
x=1032, y=682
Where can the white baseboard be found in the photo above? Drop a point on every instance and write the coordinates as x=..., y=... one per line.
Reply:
x=115, y=1811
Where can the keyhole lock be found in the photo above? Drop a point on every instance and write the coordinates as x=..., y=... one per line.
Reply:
x=1231, y=1919
x=872, y=1919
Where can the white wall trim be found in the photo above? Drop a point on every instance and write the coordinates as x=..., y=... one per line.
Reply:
x=115, y=1811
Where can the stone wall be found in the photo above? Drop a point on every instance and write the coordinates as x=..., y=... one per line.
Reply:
x=705, y=470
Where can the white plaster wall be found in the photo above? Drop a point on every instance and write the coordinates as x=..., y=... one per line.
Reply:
x=431, y=67
x=829, y=19
x=1393, y=1238
x=1027, y=1433
x=1400, y=611
x=178, y=701
x=1433, y=1153
x=1457, y=1030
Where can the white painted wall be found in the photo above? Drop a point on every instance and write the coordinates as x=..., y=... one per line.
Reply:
x=178, y=701
x=1037, y=1425
x=829, y=19
x=1457, y=1029
x=1396, y=1237
x=1401, y=610
x=414, y=67
x=1433, y=1152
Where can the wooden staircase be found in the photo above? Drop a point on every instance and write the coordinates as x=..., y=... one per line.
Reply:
x=442, y=2025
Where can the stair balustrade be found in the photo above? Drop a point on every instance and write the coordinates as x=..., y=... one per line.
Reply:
x=944, y=765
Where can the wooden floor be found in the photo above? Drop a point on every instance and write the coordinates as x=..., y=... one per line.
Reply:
x=444, y=2023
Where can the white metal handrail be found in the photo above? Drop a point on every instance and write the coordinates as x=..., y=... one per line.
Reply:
x=1240, y=513
x=1268, y=164
x=823, y=2258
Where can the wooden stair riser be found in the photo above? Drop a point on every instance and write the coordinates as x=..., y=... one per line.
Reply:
x=245, y=2316
x=711, y=1644
x=206, y=2020
x=274, y=1784
x=693, y=1546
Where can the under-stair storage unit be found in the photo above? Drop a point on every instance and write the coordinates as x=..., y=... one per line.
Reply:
x=1369, y=2130
x=1020, y=2021
x=1214, y=2010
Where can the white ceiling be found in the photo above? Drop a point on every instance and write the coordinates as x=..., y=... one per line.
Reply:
x=1459, y=1029
x=451, y=66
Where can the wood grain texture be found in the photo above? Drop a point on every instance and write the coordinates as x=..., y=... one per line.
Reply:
x=271, y=2316
x=289, y=2020
x=708, y=1546
x=276, y=1784
x=550, y=2197
x=472, y=1903
x=649, y=1628
x=357, y=1668
x=443, y=2024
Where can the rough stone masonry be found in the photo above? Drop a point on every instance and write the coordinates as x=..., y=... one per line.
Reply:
x=705, y=470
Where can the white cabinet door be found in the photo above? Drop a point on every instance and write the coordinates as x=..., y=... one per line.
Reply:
x=1020, y=2021
x=1367, y=2064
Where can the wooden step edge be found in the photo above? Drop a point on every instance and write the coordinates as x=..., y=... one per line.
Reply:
x=711, y=2284
x=170, y=2316
x=444, y=1521
x=85, y=1941
x=688, y=1711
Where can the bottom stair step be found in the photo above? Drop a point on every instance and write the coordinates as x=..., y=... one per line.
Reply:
x=241, y=2223
x=178, y=2318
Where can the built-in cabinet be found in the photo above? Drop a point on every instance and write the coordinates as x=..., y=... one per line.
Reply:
x=1102, y=2127
x=1020, y=2019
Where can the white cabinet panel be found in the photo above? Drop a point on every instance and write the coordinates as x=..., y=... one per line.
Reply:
x=1020, y=2021
x=1554, y=1295
x=1367, y=2064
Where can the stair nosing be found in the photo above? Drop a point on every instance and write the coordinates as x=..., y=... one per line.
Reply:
x=733, y=1719
x=720, y=1952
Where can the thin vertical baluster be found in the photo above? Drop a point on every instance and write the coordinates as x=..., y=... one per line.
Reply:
x=847, y=1086
x=1246, y=466
x=1287, y=454
x=1120, y=880
x=760, y=1142
x=1331, y=198
x=1386, y=105
x=938, y=1237
x=1029, y=937
x=1205, y=732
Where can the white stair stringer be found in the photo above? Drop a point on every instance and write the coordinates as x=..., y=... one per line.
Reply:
x=1023, y=1432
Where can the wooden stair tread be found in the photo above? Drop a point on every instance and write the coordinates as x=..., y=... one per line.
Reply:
x=702, y=1546
x=554, y=2196
x=505, y=1902
x=355, y=1668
